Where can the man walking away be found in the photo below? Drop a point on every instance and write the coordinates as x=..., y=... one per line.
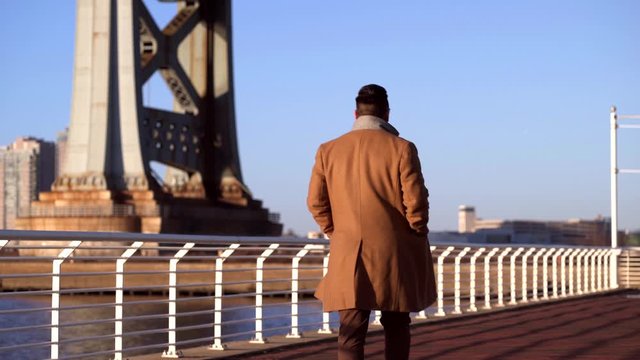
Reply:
x=368, y=195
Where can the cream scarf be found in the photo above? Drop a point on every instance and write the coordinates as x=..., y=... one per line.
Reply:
x=371, y=122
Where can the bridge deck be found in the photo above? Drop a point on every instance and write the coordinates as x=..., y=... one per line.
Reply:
x=604, y=327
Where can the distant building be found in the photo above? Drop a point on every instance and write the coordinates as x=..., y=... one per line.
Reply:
x=569, y=232
x=466, y=219
x=61, y=149
x=27, y=166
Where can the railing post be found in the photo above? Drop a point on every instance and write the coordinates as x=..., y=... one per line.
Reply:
x=545, y=274
x=326, y=327
x=563, y=272
x=55, y=295
x=534, y=290
x=585, y=271
x=500, y=277
x=512, y=276
x=172, y=352
x=217, y=315
x=524, y=274
x=572, y=255
x=598, y=259
x=606, y=276
x=423, y=314
x=613, y=269
x=117, y=355
x=599, y=256
x=592, y=257
x=444, y=254
x=487, y=278
x=605, y=269
x=259, y=338
x=554, y=267
x=626, y=269
x=295, y=263
x=472, y=280
x=456, y=282
x=581, y=267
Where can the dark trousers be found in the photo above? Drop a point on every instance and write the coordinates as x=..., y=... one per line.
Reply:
x=353, y=332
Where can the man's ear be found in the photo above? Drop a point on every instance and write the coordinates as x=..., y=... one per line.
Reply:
x=355, y=114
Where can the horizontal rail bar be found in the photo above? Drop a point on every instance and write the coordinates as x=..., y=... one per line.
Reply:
x=23, y=346
x=208, y=239
x=625, y=117
x=104, y=236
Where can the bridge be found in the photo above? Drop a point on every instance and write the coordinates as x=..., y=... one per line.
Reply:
x=75, y=295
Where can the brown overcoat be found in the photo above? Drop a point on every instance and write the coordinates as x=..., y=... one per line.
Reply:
x=367, y=193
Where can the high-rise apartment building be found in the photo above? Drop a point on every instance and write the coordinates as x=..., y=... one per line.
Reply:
x=27, y=166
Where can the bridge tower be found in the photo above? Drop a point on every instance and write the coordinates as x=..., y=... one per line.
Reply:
x=107, y=182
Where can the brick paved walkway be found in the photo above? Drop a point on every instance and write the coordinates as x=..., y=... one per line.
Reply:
x=606, y=327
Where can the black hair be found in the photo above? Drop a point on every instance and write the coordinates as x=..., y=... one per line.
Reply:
x=372, y=100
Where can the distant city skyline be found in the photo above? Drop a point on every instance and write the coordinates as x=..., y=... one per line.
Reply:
x=507, y=102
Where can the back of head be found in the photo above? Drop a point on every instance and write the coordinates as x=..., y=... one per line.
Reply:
x=372, y=100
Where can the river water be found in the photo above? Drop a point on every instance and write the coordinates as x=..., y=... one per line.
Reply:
x=234, y=309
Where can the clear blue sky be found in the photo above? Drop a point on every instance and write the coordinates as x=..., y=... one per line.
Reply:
x=507, y=101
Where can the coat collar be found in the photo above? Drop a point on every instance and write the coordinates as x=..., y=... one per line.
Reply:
x=370, y=122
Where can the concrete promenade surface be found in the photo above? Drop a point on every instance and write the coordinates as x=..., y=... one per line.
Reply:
x=601, y=327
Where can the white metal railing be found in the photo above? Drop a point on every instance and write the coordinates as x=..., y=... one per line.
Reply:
x=116, y=295
x=629, y=267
